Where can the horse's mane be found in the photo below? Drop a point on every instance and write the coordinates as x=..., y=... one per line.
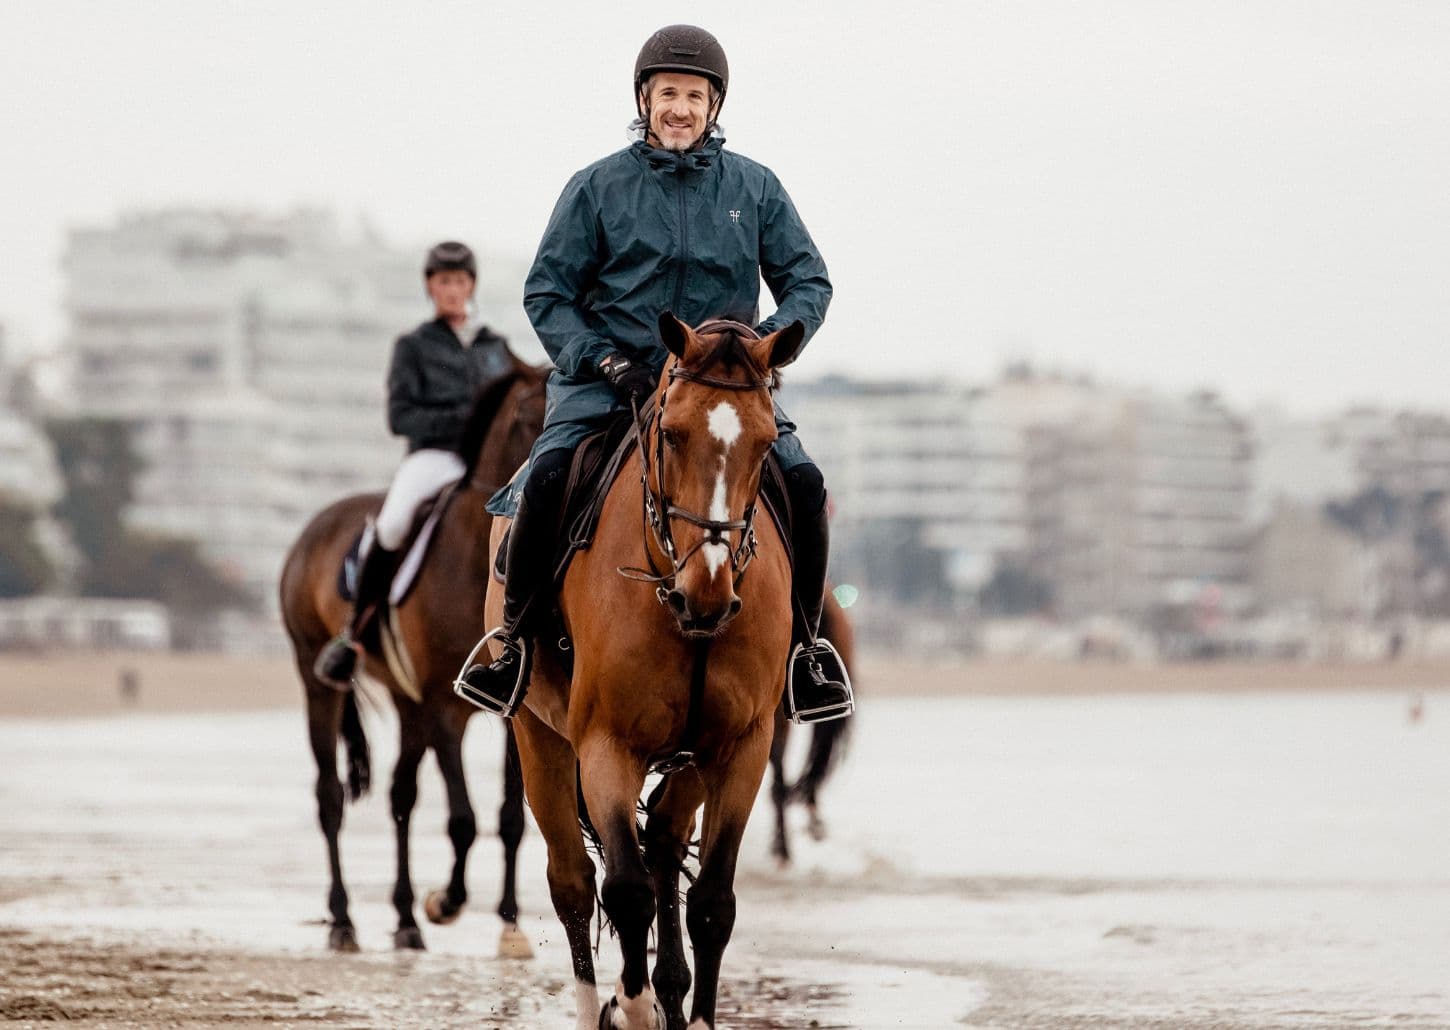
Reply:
x=486, y=405
x=730, y=350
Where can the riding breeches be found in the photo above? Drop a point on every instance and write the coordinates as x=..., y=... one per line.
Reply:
x=421, y=475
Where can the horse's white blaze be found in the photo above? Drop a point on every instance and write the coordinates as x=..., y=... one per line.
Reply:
x=725, y=423
x=717, y=554
x=586, y=1006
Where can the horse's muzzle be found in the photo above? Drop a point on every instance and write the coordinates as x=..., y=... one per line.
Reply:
x=696, y=625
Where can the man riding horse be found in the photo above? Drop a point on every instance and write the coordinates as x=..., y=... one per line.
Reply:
x=436, y=372
x=672, y=222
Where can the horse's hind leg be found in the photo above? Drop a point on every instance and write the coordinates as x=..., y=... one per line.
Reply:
x=324, y=718
x=710, y=905
x=549, y=774
x=612, y=777
x=667, y=836
x=404, y=794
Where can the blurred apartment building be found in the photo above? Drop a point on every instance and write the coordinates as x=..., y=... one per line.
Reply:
x=1350, y=511
x=249, y=353
x=1140, y=504
x=1115, y=502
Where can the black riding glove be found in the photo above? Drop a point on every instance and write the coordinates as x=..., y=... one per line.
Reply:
x=632, y=380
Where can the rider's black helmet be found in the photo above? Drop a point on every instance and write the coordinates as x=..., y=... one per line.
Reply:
x=450, y=256
x=683, y=48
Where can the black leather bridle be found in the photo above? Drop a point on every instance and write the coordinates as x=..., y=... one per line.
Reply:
x=660, y=510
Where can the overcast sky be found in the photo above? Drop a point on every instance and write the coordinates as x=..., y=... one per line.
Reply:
x=1253, y=197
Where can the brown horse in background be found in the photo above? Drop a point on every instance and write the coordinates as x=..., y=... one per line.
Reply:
x=429, y=635
x=828, y=743
x=692, y=660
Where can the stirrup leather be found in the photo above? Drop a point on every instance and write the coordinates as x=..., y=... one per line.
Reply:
x=515, y=651
x=822, y=664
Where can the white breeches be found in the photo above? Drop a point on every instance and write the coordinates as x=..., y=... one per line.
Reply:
x=421, y=475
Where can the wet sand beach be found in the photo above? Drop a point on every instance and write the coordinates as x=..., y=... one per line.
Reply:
x=1000, y=857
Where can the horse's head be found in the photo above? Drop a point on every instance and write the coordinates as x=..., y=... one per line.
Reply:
x=715, y=424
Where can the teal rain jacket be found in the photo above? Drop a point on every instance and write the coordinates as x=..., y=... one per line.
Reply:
x=644, y=231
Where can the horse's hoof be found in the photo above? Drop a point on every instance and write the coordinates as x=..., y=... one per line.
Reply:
x=513, y=943
x=613, y=1009
x=439, y=909
x=409, y=938
x=342, y=938
x=816, y=827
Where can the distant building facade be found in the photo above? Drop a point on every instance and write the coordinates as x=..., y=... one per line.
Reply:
x=1119, y=502
x=249, y=355
x=1142, y=502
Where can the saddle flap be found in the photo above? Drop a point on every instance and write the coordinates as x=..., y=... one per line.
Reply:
x=407, y=575
x=419, y=542
x=592, y=471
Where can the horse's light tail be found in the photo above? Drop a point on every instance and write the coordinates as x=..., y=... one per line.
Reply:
x=828, y=745
x=359, y=763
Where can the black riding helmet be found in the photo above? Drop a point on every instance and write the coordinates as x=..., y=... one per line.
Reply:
x=450, y=256
x=683, y=48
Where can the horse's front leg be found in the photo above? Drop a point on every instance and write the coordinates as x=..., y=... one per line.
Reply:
x=612, y=777
x=512, y=943
x=710, y=906
x=549, y=776
x=403, y=796
x=444, y=905
x=667, y=837
x=324, y=717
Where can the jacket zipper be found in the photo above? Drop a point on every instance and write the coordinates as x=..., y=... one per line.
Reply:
x=684, y=241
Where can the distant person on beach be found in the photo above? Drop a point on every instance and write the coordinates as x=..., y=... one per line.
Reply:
x=436, y=371
x=129, y=685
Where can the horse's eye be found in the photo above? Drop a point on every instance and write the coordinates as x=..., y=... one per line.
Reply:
x=668, y=435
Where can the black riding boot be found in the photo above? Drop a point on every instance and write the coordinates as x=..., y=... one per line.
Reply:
x=818, y=687
x=338, y=660
x=499, y=686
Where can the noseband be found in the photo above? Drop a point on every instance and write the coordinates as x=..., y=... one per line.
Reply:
x=656, y=501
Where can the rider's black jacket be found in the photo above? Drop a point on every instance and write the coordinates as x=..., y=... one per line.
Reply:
x=433, y=379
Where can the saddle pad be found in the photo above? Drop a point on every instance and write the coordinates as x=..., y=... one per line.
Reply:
x=420, y=540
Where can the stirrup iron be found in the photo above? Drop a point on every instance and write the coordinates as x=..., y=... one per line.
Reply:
x=822, y=663
x=518, y=652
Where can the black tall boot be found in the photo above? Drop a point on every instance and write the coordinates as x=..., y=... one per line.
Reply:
x=499, y=686
x=338, y=660
x=818, y=687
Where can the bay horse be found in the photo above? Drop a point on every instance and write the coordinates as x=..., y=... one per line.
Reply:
x=683, y=671
x=428, y=633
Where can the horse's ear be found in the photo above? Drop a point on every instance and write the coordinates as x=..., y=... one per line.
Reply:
x=674, y=333
x=786, y=345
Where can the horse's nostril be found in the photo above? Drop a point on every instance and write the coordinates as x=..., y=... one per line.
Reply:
x=735, y=607
x=676, y=600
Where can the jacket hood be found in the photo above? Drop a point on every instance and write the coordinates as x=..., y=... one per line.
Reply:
x=657, y=158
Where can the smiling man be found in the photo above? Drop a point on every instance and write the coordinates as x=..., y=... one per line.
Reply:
x=674, y=222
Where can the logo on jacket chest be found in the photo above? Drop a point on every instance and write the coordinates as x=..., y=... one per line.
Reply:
x=735, y=217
